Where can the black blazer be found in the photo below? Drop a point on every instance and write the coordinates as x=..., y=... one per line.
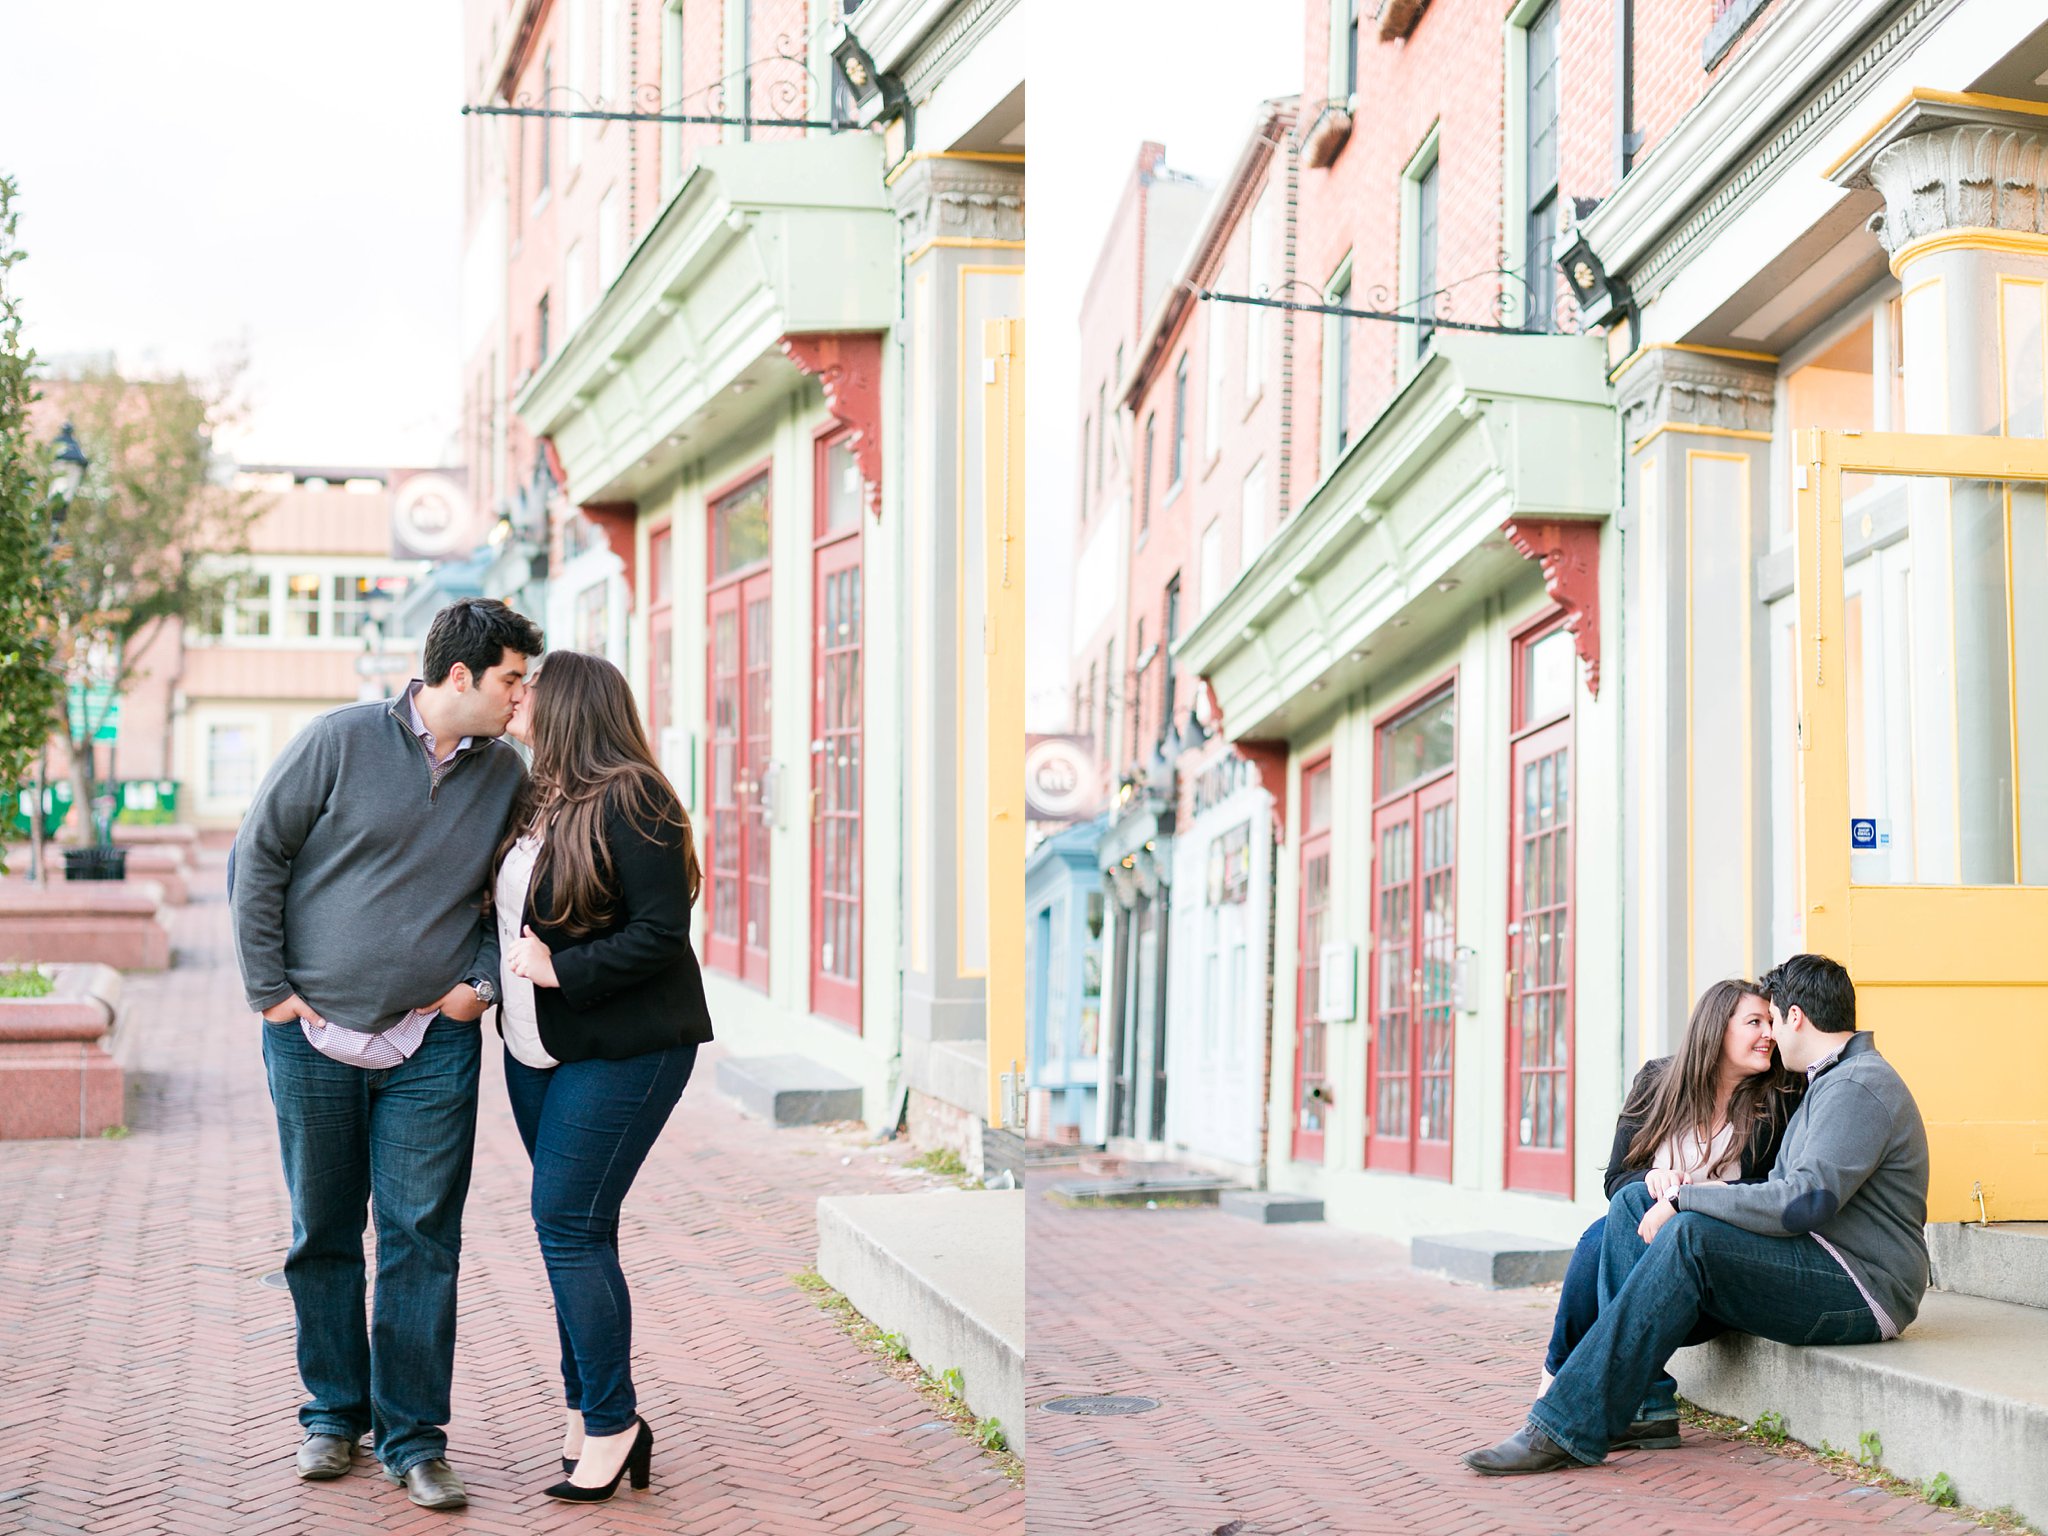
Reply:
x=632, y=986
x=1757, y=1158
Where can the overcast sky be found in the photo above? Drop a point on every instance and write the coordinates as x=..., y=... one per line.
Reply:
x=1105, y=75
x=277, y=178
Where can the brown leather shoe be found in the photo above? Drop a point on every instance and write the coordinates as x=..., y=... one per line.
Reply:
x=324, y=1457
x=434, y=1485
x=1529, y=1450
x=1647, y=1435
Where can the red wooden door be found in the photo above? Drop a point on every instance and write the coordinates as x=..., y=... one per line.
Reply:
x=737, y=853
x=1539, y=1104
x=1311, y=1047
x=1389, y=1073
x=836, y=784
x=1415, y=940
x=724, y=891
x=755, y=695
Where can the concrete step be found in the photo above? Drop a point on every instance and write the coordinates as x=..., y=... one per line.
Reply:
x=1963, y=1391
x=2008, y=1262
x=945, y=1269
x=789, y=1090
x=1177, y=1190
x=1268, y=1207
x=1499, y=1261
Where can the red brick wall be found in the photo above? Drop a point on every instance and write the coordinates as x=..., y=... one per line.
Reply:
x=1669, y=82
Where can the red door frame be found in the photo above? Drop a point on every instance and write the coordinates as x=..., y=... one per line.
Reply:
x=1407, y=1152
x=737, y=851
x=837, y=777
x=1545, y=1170
x=1314, y=841
x=661, y=651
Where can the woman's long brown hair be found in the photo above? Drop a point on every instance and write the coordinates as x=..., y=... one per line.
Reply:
x=1682, y=1099
x=590, y=756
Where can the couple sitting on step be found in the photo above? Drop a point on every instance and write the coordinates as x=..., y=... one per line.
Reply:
x=1770, y=1178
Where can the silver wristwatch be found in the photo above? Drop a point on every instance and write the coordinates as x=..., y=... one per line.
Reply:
x=485, y=989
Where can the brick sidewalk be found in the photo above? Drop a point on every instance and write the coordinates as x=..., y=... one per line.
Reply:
x=1309, y=1381
x=146, y=1377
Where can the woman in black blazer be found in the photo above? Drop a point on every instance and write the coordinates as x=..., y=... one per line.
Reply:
x=602, y=1013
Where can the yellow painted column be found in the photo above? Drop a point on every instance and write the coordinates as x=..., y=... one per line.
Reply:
x=1002, y=646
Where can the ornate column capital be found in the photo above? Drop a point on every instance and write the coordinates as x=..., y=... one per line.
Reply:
x=980, y=200
x=1952, y=164
x=1678, y=387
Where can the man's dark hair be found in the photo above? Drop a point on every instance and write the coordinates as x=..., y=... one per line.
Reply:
x=1818, y=988
x=477, y=631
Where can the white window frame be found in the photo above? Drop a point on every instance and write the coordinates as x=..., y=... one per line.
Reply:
x=672, y=64
x=1515, y=142
x=1212, y=381
x=1420, y=164
x=1335, y=291
x=1252, y=533
x=1211, y=565
x=1258, y=283
x=575, y=63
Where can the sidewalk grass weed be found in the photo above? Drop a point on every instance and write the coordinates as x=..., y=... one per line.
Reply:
x=1938, y=1490
x=946, y=1397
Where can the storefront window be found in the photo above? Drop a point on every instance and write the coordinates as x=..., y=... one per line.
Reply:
x=739, y=527
x=1421, y=743
x=592, y=616
x=302, y=607
x=1546, y=677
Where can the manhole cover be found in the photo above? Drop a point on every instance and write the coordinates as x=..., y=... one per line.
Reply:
x=1101, y=1407
x=275, y=1280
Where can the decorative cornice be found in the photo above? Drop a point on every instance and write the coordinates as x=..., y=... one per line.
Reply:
x=959, y=200
x=1623, y=228
x=935, y=56
x=1569, y=552
x=1679, y=390
x=849, y=366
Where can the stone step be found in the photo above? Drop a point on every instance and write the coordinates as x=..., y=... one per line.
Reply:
x=945, y=1270
x=1963, y=1391
x=2007, y=1262
x=1499, y=1261
x=1269, y=1207
x=789, y=1090
x=1192, y=1189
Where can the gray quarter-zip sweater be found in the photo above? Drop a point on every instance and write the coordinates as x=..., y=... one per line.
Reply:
x=1852, y=1170
x=359, y=878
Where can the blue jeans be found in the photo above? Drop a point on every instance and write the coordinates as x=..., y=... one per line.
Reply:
x=1785, y=1288
x=1578, y=1305
x=399, y=1141
x=588, y=1126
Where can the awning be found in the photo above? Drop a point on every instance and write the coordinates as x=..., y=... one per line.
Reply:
x=1404, y=538
x=760, y=242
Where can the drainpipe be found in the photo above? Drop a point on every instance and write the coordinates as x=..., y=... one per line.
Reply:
x=1293, y=152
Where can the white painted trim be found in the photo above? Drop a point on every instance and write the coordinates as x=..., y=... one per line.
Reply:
x=1419, y=165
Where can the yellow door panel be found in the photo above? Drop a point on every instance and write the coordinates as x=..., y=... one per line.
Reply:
x=1924, y=740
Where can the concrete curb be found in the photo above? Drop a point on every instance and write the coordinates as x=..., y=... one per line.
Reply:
x=945, y=1270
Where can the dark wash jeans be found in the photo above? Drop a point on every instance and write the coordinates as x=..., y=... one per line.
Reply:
x=400, y=1141
x=1785, y=1288
x=1578, y=1306
x=588, y=1126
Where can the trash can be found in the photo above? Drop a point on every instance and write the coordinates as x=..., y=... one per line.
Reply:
x=95, y=863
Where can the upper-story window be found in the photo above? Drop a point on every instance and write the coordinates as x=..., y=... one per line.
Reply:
x=1259, y=275
x=1180, y=423
x=1420, y=197
x=1086, y=426
x=1212, y=375
x=1102, y=422
x=547, y=96
x=1340, y=361
x=1145, y=477
x=540, y=317
x=1540, y=109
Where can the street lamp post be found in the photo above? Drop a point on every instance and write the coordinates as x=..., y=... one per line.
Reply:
x=71, y=465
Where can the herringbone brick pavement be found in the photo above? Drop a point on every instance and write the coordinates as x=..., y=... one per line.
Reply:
x=1311, y=1383
x=146, y=1378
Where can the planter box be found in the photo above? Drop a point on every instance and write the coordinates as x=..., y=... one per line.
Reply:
x=167, y=865
x=173, y=834
x=86, y=922
x=56, y=1078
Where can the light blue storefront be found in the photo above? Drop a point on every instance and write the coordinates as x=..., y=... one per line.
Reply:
x=1063, y=978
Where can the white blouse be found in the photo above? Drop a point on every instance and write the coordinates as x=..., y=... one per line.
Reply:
x=1684, y=1154
x=515, y=1008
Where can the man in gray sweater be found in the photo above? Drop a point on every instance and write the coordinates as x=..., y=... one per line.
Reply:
x=357, y=884
x=1831, y=1249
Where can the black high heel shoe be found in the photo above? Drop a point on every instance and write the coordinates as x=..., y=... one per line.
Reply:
x=636, y=1467
x=568, y=1466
